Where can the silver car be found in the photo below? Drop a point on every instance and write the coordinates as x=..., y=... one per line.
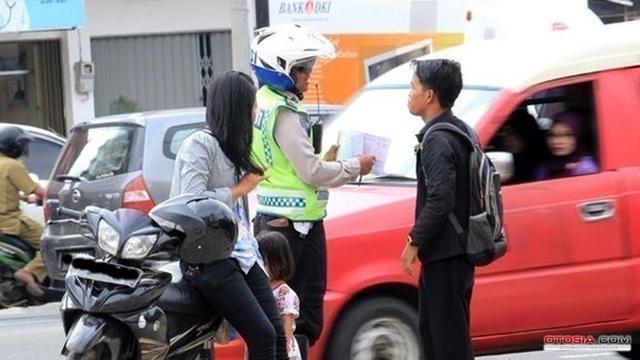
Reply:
x=121, y=161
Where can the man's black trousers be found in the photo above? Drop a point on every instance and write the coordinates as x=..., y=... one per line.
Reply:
x=445, y=295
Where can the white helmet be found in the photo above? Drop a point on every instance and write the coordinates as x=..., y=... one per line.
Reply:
x=275, y=50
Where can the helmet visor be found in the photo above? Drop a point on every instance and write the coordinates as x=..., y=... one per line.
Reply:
x=304, y=65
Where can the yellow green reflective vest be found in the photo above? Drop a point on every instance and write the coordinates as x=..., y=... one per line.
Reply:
x=283, y=193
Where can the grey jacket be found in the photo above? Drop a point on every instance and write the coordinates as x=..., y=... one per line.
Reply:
x=201, y=167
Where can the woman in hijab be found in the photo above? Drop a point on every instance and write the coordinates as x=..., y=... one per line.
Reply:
x=567, y=154
x=522, y=137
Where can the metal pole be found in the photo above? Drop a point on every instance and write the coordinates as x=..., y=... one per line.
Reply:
x=240, y=39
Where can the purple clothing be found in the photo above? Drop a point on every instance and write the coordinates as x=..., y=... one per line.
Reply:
x=573, y=164
x=585, y=165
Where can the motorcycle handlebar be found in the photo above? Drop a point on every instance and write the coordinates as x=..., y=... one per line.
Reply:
x=70, y=212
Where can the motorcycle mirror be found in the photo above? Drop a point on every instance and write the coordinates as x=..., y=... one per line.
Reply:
x=93, y=219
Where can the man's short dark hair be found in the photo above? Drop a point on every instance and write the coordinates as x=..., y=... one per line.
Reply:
x=443, y=76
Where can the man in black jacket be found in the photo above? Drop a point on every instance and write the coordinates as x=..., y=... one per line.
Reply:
x=442, y=167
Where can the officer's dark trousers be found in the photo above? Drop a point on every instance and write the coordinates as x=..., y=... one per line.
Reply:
x=310, y=279
x=445, y=295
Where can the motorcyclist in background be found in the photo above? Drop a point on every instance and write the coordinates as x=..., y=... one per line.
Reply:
x=16, y=185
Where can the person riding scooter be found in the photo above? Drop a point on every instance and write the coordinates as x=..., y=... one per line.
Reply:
x=16, y=185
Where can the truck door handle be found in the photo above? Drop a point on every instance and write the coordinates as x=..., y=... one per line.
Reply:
x=597, y=210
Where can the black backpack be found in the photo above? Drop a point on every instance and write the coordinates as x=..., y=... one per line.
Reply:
x=486, y=239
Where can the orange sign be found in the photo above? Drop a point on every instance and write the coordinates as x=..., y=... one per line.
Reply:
x=363, y=57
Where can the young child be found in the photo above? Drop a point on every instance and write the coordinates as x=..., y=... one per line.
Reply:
x=278, y=260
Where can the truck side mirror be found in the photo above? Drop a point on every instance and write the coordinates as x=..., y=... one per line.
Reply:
x=503, y=161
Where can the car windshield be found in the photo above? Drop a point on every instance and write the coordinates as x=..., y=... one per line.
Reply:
x=99, y=152
x=383, y=112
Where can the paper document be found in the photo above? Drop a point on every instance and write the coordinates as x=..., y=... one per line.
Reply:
x=354, y=143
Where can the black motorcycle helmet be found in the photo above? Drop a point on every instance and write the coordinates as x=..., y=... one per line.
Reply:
x=14, y=142
x=209, y=227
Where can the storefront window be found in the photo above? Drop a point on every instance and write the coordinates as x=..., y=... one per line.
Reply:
x=14, y=78
x=31, y=84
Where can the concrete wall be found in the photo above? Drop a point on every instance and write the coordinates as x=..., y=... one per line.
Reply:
x=75, y=46
x=139, y=17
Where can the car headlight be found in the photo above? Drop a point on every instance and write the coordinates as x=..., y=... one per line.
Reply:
x=137, y=247
x=108, y=238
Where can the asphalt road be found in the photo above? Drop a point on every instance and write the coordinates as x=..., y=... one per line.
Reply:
x=36, y=333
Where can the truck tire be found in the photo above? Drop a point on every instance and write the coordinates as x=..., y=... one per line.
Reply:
x=376, y=328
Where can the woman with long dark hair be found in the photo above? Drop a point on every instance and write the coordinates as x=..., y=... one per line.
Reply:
x=217, y=161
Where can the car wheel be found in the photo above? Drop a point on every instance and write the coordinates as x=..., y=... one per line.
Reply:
x=380, y=328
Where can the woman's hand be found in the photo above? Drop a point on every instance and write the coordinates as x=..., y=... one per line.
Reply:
x=247, y=183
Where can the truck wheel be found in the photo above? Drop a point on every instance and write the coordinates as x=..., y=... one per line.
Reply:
x=379, y=328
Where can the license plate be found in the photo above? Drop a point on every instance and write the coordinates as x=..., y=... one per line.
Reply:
x=104, y=272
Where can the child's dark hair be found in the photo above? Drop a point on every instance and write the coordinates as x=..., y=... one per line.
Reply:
x=276, y=254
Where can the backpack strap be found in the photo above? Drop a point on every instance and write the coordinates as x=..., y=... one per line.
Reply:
x=454, y=129
x=456, y=224
x=471, y=141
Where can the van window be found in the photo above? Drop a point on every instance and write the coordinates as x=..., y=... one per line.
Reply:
x=551, y=135
x=382, y=111
x=175, y=136
x=101, y=152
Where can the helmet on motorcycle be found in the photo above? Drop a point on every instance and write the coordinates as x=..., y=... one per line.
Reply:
x=14, y=142
x=275, y=50
x=208, y=226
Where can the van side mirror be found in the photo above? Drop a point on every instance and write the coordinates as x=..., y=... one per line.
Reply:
x=503, y=161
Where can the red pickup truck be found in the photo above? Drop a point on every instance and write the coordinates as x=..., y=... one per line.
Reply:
x=573, y=265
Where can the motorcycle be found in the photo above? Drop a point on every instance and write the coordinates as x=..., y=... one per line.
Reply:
x=122, y=306
x=15, y=254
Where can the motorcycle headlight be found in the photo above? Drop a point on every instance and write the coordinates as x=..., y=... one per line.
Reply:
x=108, y=238
x=137, y=247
